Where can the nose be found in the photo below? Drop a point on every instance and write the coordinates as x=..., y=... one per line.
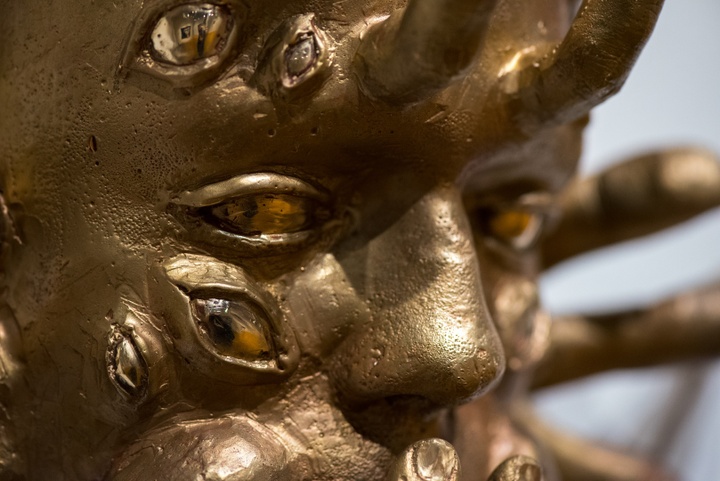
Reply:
x=429, y=333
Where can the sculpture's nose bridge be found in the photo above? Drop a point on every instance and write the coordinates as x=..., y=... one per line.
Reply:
x=430, y=333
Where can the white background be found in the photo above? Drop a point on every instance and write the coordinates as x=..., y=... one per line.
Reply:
x=672, y=98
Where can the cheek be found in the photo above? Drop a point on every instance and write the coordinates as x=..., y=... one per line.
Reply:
x=65, y=340
x=323, y=306
x=523, y=326
x=230, y=447
x=511, y=291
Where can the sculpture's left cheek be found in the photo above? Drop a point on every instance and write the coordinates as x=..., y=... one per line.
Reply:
x=323, y=306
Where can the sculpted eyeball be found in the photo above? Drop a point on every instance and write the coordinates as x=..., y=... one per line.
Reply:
x=515, y=227
x=190, y=33
x=267, y=214
x=233, y=328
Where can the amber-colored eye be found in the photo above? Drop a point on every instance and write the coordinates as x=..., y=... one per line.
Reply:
x=190, y=33
x=515, y=227
x=234, y=328
x=266, y=214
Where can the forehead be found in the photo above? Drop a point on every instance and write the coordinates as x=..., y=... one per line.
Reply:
x=60, y=79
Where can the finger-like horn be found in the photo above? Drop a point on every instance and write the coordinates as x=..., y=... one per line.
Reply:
x=417, y=51
x=591, y=63
x=682, y=328
x=641, y=196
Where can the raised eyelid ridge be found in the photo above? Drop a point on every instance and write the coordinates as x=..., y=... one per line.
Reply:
x=257, y=183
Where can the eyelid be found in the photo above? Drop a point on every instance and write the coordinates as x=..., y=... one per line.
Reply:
x=536, y=202
x=533, y=202
x=214, y=276
x=258, y=183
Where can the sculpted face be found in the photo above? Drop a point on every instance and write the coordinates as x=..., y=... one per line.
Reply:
x=230, y=255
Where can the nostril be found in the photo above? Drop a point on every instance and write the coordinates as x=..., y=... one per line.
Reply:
x=397, y=421
x=460, y=378
x=412, y=403
x=430, y=380
x=489, y=369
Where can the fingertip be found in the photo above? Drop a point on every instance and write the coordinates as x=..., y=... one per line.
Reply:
x=517, y=468
x=427, y=460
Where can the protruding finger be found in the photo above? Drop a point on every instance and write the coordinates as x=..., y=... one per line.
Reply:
x=417, y=51
x=685, y=327
x=517, y=468
x=641, y=196
x=590, y=64
x=427, y=460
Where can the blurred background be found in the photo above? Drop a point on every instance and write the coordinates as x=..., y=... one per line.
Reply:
x=672, y=98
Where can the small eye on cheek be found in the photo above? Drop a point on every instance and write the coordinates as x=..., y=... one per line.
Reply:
x=126, y=366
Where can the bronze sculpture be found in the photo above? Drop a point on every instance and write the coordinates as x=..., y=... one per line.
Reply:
x=299, y=240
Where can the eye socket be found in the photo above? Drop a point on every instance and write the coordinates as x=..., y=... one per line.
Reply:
x=190, y=33
x=266, y=214
x=515, y=227
x=234, y=328
x=257, y=214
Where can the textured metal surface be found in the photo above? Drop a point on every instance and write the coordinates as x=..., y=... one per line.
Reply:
x=310, y=252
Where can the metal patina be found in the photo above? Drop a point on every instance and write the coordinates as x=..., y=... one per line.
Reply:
x=299, y=240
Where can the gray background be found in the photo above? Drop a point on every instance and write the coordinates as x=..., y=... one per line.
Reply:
x=670, y=99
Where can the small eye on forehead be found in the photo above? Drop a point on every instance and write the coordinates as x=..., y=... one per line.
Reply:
x=191, y=32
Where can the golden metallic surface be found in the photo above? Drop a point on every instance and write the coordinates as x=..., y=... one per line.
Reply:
x=304, y=244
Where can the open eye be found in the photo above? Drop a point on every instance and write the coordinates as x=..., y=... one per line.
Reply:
x=266, y=214
x=256, y=213
x=515, y=227
x=224, y=323
x=179, y=50
x=234, y=328
x=190, y=33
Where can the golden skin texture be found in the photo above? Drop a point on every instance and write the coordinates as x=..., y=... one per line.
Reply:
x=377, y=300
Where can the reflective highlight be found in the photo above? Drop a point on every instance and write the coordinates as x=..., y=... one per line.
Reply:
x=266, y=214
x=234, y=328
x=190, y=33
